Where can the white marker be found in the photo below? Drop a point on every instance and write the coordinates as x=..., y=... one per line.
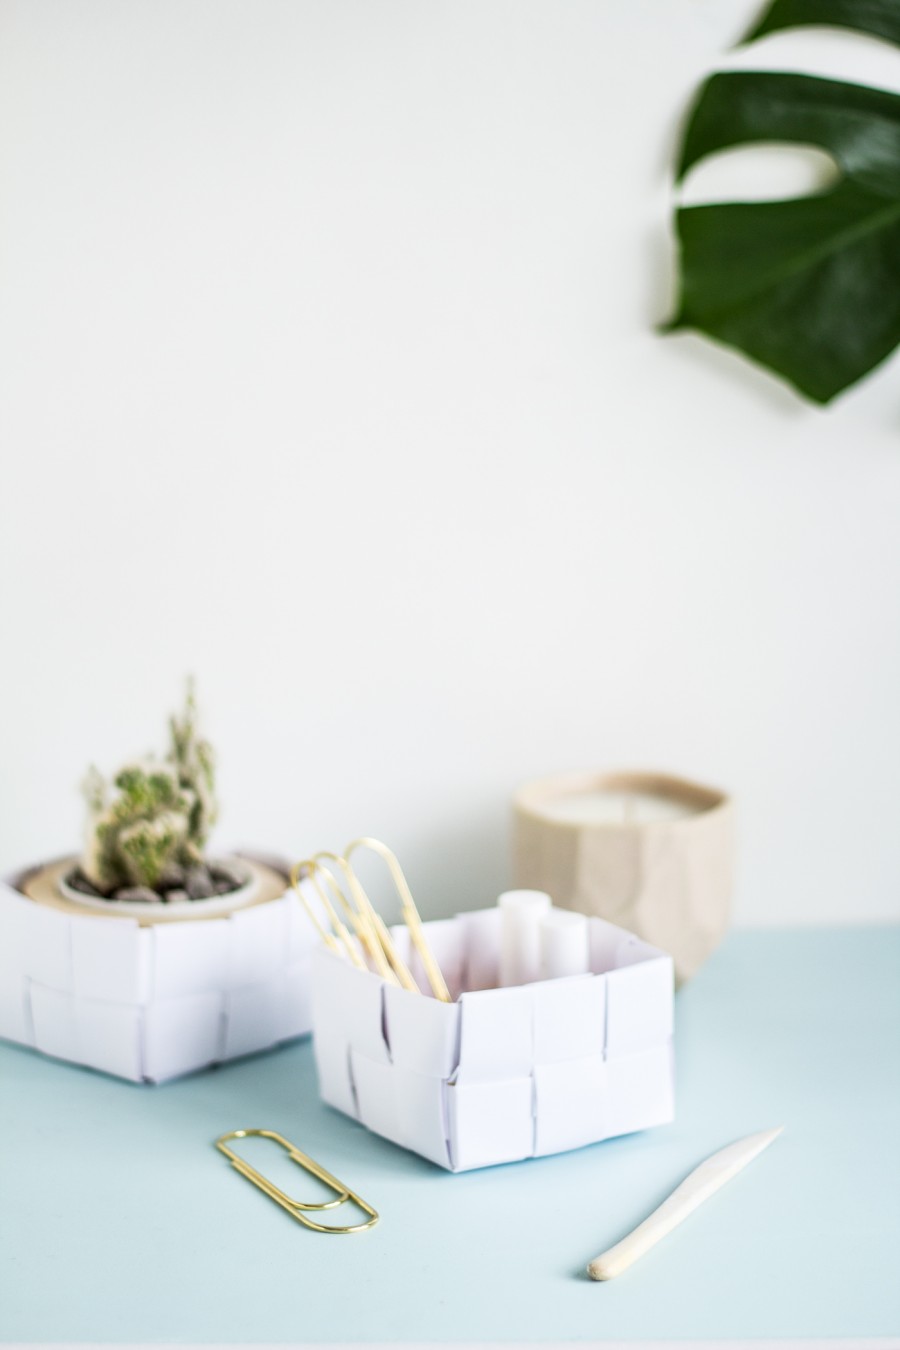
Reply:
x=563, y=944
x=520, y=940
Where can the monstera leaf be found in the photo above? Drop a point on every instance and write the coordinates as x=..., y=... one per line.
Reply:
x=879, y=17
x=808, y=287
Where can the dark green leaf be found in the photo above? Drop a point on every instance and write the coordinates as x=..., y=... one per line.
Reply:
x=858, y=126
x=810, y=288
x=881, y=18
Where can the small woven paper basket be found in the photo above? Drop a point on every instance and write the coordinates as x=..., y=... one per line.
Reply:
x=498, y=1075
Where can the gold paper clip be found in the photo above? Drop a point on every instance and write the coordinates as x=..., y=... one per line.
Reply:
x=309, y=869
x=296, y=1208
x=409, y=911
x=371, y=928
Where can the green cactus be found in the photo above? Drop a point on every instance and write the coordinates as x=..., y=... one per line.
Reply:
x=159, y=815
x=195, y=765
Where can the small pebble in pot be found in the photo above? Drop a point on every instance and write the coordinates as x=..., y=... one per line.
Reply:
x=231, y=872
x=79, y=882
x=172, y=876
x=137, y=895
x=177, y=897
x=199, y=884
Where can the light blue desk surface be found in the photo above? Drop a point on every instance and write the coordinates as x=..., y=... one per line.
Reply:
x=120, y=1221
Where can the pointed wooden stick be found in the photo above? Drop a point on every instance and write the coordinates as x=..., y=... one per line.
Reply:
x=703, y=1182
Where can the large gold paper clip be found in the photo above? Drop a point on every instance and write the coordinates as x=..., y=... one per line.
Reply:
x=410, y=913
x=298, y=1209
x=367, y=942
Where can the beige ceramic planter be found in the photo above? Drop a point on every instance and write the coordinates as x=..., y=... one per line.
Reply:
x=666, y=876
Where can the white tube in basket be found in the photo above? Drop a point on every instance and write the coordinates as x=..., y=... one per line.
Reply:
x=520, y=945
x=563, y=944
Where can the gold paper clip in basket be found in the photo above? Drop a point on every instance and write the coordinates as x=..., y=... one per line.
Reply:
x=298, y=1209
x=409, y=912
x=370, y=945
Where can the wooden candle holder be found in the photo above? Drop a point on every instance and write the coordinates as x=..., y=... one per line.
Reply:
x=669, y=880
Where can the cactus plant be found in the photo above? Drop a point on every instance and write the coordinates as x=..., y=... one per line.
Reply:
x=152, y=826
x=195, y=765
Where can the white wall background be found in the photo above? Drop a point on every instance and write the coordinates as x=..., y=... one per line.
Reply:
x=329, y=373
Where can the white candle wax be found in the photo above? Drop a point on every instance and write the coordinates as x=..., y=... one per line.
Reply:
x=563, y=944
x=520, y=942
x=617, y=807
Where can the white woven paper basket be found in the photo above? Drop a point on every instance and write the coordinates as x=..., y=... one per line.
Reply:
x=500, y=1074
x=152, y=1003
